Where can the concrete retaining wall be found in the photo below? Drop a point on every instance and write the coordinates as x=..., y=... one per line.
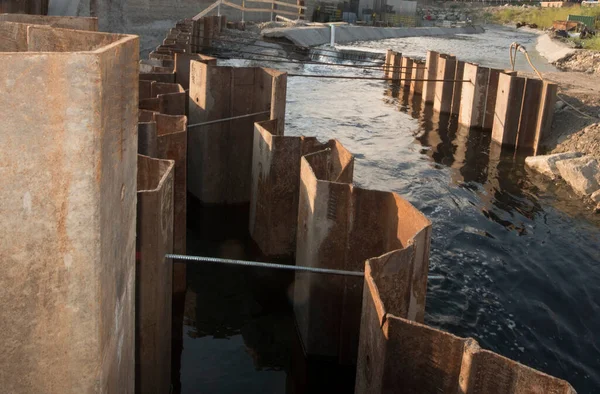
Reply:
x=313, y=36
x=68, y=205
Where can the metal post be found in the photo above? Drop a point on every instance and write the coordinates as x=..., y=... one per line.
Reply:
x=243, y=6
x=332, y=42
x=272, y=8
x=219, y=9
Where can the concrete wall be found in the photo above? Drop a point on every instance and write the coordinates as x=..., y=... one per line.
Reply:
x=552, y=50
x=67, y=201
x=313, y=36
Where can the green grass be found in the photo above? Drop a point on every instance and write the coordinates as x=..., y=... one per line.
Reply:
x=592, y=44
x=543, y=17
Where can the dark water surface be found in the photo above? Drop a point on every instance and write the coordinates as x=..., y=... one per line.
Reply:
x=521, y=255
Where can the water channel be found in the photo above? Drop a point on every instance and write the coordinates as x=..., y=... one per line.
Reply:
x=520, y=255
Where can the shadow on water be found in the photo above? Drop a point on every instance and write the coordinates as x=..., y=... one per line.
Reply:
x=239, y=334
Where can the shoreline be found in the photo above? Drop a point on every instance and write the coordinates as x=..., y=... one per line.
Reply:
x=552, y=50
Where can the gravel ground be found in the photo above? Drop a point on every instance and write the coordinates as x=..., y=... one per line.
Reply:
x=570, y=131
x=581, y=61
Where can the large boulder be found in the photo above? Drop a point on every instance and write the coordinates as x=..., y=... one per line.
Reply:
x=546, y=164
x=582, y=173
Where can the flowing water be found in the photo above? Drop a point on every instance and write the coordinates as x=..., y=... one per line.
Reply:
x=520, y=255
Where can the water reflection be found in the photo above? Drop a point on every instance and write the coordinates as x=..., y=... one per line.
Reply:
x=476, y=162
x=239, y=333
x=511, y=295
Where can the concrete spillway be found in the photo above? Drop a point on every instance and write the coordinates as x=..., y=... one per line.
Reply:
x=313, y=36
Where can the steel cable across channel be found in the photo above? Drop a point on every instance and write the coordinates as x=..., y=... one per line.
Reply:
x=272, y=265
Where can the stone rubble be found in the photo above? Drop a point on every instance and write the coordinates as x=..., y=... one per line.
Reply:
x=546, y=164
x=582, y=61
x=586, y=140
x=580, y=172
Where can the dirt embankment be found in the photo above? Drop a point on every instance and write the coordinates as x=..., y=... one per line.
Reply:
x=576, y=125
x=577, y=113
x=580, y=61
x=586, y=141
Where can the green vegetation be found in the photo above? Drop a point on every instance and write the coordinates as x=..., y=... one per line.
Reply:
x=589, y=43
x=543, y=18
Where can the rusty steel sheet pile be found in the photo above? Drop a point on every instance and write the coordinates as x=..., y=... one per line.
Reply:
x=128, y=139
x=68, y=205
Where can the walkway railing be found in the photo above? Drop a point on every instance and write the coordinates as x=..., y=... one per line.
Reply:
x=299, y=13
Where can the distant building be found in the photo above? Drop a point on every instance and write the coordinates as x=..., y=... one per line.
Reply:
x=384, y=8
x=391, y=11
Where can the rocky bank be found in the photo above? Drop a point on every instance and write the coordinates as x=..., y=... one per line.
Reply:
x=580, y=61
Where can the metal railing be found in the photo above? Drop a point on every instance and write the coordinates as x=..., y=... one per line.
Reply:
x=299, y=13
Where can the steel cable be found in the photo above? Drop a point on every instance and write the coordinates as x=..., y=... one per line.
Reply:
x=514, y=47
x=273, y=265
